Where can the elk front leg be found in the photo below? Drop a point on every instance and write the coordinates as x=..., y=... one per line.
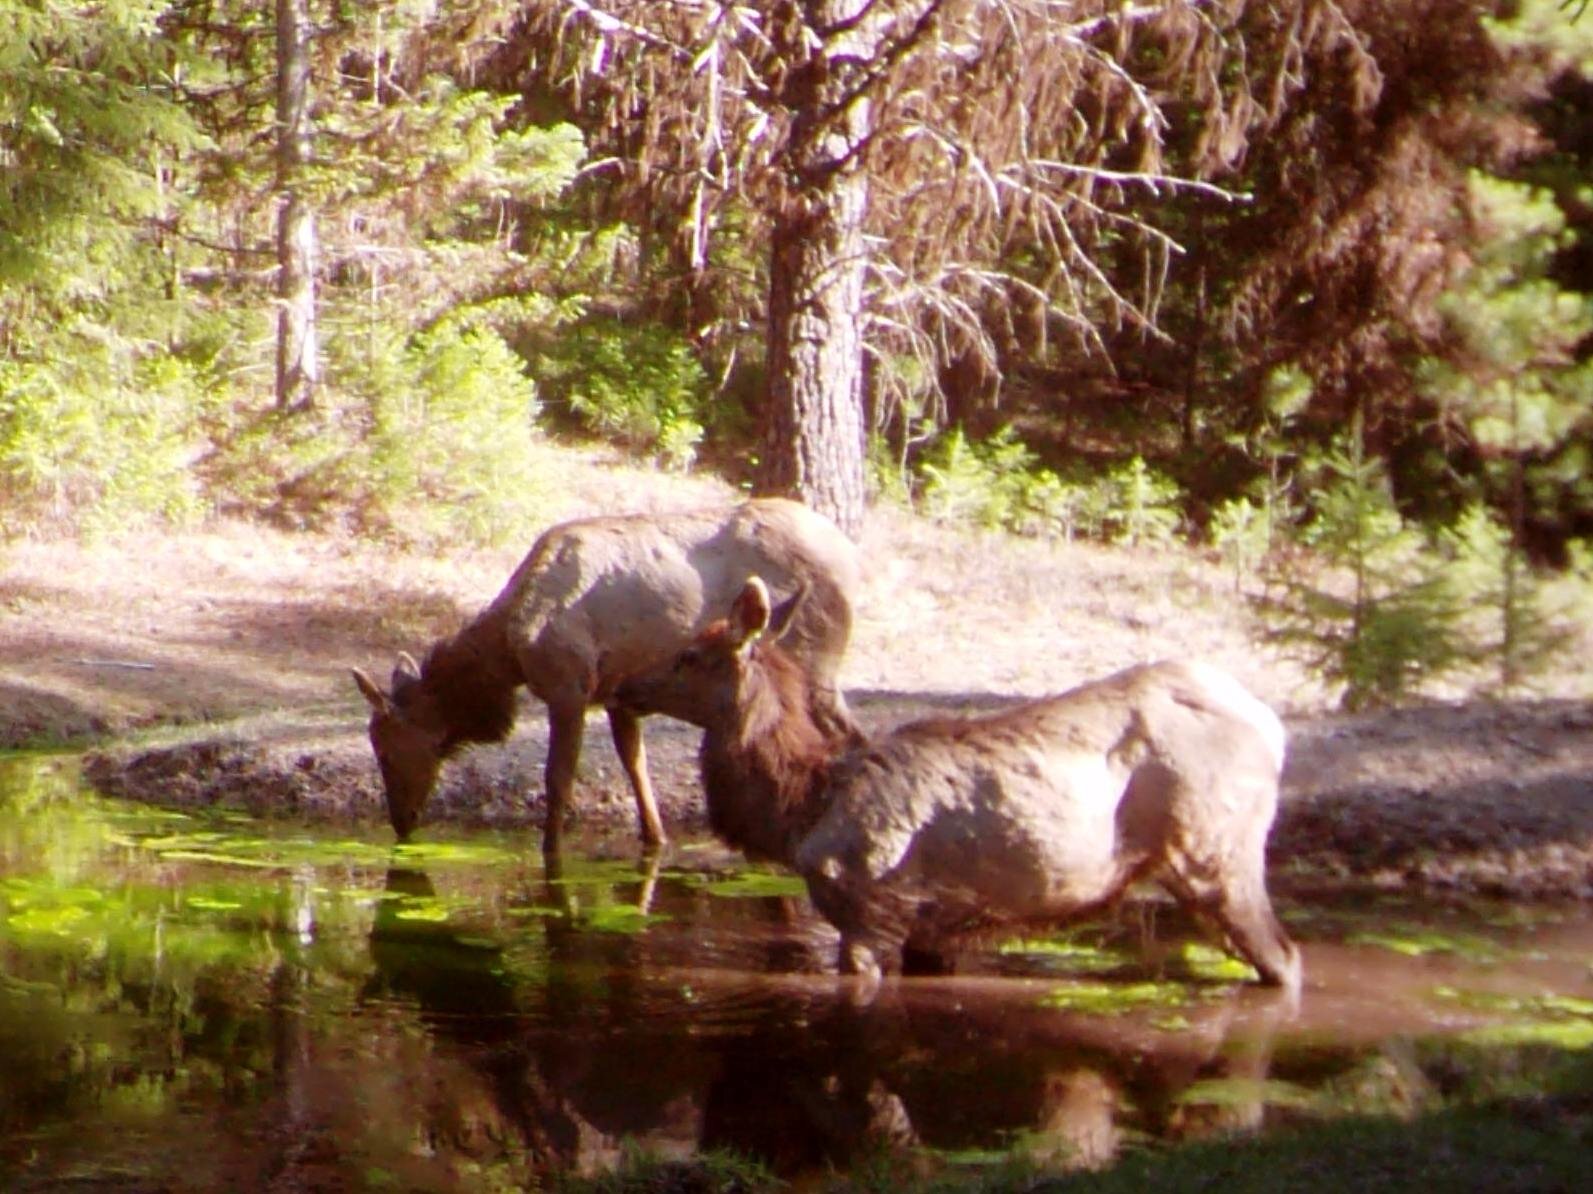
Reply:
x=565, y=727
x=627, y=730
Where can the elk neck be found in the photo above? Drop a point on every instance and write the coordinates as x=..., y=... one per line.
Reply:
x=469, y=683
x=766, y=775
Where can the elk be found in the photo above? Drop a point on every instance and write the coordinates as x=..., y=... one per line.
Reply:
x=597, y=599
x=1044, y=812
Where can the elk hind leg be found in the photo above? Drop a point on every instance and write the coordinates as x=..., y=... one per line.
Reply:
x=626, y=728
x=1236, y=898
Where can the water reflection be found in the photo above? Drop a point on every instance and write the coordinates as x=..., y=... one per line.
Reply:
x=605, y=1048
x=333, y=1012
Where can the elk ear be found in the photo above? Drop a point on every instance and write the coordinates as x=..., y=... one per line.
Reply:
x=780, y=620
x=749, y=613
x=378, y=699
x=405, y=672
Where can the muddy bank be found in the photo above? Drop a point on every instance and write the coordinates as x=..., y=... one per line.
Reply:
x=1485, y=799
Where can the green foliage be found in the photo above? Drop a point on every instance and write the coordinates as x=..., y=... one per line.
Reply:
x=1143, y=507
x=86, y=116
x=1242, y=532
x=997, y=484
x=1369, y=609
x=76, y=451
x=91, y=419
x=1247, y=527
x=137, y=224
x=641, y=384
x=459, y=434
x=1055, y=507
x=1522, y=389
x=436, y=441
x=1509, y=619
x=136, y=338
x=979, y=484
x=889, y=478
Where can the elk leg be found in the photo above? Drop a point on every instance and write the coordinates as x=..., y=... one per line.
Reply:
x=1246, y=915
x=854, y=957
x=565, y=727
x=1238, y=903
x=627, y=730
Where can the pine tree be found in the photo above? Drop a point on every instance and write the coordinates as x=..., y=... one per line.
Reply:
x=1510, y=622
x=89, y=127
x=1368, y=608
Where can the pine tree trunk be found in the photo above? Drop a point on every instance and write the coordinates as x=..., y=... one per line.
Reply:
x=814, y=437
x=298, y=366
x=814, y=433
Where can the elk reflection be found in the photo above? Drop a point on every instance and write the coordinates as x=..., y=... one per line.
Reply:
x=568, y=1044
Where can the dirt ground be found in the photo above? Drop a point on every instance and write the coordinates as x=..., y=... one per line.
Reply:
x=210, y=669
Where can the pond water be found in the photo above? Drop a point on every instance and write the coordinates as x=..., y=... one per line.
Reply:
x=210, y=1003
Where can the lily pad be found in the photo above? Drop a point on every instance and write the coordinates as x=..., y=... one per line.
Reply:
x=211, y=904
x=619, y=918
x=1213, y=965
x=1067, y=956
x=59, y=920
x=1244, y=1092
x=1548, y=1004
x=1563, y=1034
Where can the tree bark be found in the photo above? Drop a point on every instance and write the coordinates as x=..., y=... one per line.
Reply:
x=814, y=442
x=298, y=364
x=815, y=436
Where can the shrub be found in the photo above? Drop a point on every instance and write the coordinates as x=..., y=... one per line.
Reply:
x=1145, y=505
x=460, y=439
x=85, y=443
x=1510, y=618
x=996, y=483
x=433, y=438
x=1242, y=532
x=965, y=482
x=640, y=384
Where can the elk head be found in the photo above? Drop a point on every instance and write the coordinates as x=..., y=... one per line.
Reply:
x=702, y=684
x=408, y=747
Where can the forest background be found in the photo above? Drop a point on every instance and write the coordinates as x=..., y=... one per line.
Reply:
x=1311, y=283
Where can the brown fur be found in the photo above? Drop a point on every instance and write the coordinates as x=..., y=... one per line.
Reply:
x=466, y=683
x=765, y=783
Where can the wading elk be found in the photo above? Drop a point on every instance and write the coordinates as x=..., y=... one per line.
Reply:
x=595, y=600
x=1043, y=812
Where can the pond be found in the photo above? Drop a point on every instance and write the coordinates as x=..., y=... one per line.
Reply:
x=200, y=1003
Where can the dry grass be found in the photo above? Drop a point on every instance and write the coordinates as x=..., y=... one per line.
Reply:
x=955, y=611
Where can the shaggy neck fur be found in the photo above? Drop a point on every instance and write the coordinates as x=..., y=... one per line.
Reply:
x=467, y=685
x=765, y=774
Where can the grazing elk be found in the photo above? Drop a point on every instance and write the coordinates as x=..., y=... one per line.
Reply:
x=1043, y=812
x=595, y=600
